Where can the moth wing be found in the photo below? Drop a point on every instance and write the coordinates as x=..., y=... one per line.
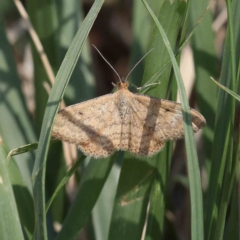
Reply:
x=154, y=121
x=93, y=125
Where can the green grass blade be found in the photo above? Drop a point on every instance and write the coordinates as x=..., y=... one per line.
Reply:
x=92, y=182
x=22, y=149
x=15, y=125
x=70, y=16
x=16, y=130
x=233, y=94
x=129, y=212
x=10, y=227
x=70, y=172
x=230, y=185
x=223, y=145
x=159, y=73
x=229, y=182
x=23, y=198
x=197, y=231
x=205, y=59
x=232, y=225
x=104, y=205
x=219, y=155
x=141, y=20
x=171, y=16
x=55, y=97
x=233, y=54
x=76, y=91
x=138, y=177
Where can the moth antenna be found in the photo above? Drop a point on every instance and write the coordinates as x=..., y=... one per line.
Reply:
x=137, y=63
x=108, y=63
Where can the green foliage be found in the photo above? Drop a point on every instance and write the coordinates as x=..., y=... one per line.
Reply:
x=120, y=197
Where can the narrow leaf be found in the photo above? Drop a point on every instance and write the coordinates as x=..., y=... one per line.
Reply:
x=233, y=94
x=10, y=227
x=55, y=97
x=197, y=231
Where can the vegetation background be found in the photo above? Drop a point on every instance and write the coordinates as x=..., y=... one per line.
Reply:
x=121, y=197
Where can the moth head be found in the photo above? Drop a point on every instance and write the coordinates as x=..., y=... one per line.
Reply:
x=122, y=85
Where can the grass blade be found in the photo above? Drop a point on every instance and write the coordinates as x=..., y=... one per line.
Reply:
x=10, y=227
x=223, y=146
x=76, y=91
x=129, y=211
x=92, y=182
x=141, y=20
x=70, y=172
x=15, y=125
x=206, y=64
x=22, y=149
x=16, y=130
x=23, y=198
x=233, y=94
x=55, y=97
x=197, y=231
x=138, y=177
x=171, y=16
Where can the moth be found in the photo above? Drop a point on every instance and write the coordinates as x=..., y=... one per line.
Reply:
x=123, y=121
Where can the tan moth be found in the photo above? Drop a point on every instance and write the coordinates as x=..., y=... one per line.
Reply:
x=124, y=121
